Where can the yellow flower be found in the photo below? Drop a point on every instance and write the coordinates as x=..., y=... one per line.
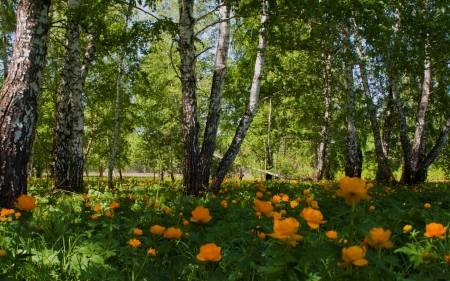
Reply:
x=157, y=229
x=286, y=229
x=97, y=208
x=331, y=234
x=352, y=190
x=312, y=217
x=209, y=252
x=134, y=242
x=200, y=214
x=152, y=252
x=427, y=205
x=379, y=238
x=26, y=203
x=435, y=230
x=407, y=228
x=353, y=255
x=173, y=233
x=3, y=253
x=137, y=231
x=263, y=207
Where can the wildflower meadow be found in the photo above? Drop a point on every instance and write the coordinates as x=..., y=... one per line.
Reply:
x=250, y=230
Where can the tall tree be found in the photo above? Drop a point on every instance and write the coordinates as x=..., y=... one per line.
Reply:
x=19, y=98
x=252, y=106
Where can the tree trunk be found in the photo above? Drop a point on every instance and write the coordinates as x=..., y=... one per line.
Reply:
x=191, y=148
x=269, y=163
x=61, y=151
x=19, y=98
x=215, y=99
x=117, y=105
x=4, y=43
x=324, y=134
x=373, y=114
x=250, y=112
x=353, y=167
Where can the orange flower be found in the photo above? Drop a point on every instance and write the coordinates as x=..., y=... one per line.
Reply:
x=294, y=204
x=173, y=233
x=263, y=207
x=114, y=205
x=352, y=190
x=427, y=205
x=275, y=199
x=97, y=208
x=286, y=229
x=312, y=217
x=200, y=214
x=435, y=230
x=353, y=255
x=447, y=258
x=157, y=229
x=152, y=252
x=379, y=238
x=134, y=242
x=137, y=231
x=26, y=203
x=331, y=234
x=209, y=252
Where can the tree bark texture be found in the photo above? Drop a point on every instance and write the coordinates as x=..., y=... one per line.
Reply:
x=353, y=166
x=383, y=165
x=215, y=99
x=252, y=106
x=191, y=148
x=19, y=98
x=325, y=133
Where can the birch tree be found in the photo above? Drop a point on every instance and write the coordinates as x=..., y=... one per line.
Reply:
x=19, y=98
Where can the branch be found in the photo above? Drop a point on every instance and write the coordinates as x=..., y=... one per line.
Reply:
x=212, y=24
x=138, y=8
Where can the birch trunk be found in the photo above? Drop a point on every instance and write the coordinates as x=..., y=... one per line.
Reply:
x=353, y=167
x=191, y=148
x=324, y=134
x=381, y=157
x=19, y=98
x=215, y=99
x=250, y=112
x=117, y=105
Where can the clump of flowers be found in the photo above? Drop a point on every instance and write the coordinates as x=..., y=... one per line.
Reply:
x=353, y=190
x=209, y=252
x=353, y=255
x=201, y=214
